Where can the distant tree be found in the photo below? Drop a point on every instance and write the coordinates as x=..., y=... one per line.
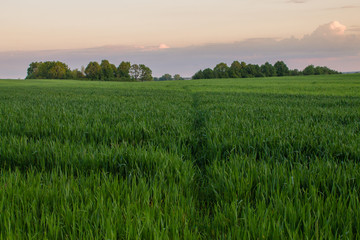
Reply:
x=77, y=74
x=235, y=70
x=326, y=70
x=281, y=68
x=198, y=75
x=93, y=71
x=221, y=70
x=123, y=71
x=165, y=77
x=43, y=70
x=134, y=72
x=245, y=70
x=208, y=73
x=253, y=70
x=178, y=77
x=312, y=70
x=108, y=70
x=331, y=71
x=295, y=72
x=145, y=73
x=58, y=70
x=33, y=70
x=268, y=70
x=318, y=71
x=48, y=70
x=309, y=70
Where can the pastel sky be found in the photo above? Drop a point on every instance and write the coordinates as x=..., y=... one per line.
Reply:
x=188, y=33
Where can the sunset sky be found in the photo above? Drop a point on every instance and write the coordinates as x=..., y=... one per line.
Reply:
x=179, y=36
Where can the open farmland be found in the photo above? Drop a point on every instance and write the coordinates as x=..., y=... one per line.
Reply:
x=274, y=158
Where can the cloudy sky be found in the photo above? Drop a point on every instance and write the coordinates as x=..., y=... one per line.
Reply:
x=173, y=36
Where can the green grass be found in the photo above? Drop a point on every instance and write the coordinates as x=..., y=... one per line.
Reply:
x=271, y=158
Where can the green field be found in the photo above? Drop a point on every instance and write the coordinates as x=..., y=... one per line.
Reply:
x=269, y=158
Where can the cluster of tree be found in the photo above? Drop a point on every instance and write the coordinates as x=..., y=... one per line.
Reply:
x=312, y=70
x=243, y=70
x=50, y=70
x=124, y=72
x=167, y=77
x=94, y=71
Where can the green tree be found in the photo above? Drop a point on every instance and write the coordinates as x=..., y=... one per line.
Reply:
x=221, y=70
x=77, y=74
x=198, y=75
x=268, y=70
x=58, y=70
x=145, y=73
x=235, y=70
x=43, y=70
x=244, y=70
x=281, y=68
x=165, y=77
x=33, y=70
x=326, y=70
x=93, y=71
x=320, y=70
x=251, y=70
x=123, y=71
x=309, y=70
x=295, y=72
x=108, y=70
x=178, y=77
x=134, y=72
x=208, y=73
x=48, y=70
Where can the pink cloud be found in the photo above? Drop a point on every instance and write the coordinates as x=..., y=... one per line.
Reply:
x=163, y=46
x=330, y=29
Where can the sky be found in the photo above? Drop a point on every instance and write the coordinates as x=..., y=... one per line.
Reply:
x=173, y=36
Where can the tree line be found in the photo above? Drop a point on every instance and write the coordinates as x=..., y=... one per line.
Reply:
x=105, y=71
x=168, y=77
x=243, y=70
